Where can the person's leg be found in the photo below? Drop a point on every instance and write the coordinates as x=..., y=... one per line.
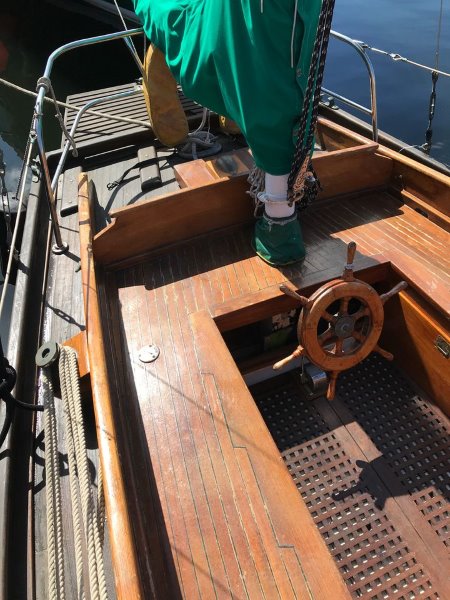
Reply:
x=278, y=239
x=248, y=61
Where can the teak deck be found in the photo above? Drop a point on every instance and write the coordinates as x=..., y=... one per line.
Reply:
x=199, y=500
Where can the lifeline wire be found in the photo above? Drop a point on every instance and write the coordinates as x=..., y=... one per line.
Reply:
x=91, y=111
x=398, y=58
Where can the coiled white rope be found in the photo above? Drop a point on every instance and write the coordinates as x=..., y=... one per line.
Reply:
x=55, y=551
x=86, y=517
x=68, y=368
x=74, y=489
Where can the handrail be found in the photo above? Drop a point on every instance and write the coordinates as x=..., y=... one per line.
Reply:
x=373, y=111
x=36, y=127
x=76, y=122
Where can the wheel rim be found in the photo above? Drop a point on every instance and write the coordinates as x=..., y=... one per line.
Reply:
x=351, y=333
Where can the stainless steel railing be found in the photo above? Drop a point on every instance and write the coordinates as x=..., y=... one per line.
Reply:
x=37, y=127
x=373, y=110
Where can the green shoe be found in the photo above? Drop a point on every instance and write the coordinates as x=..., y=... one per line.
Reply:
x=279, y=241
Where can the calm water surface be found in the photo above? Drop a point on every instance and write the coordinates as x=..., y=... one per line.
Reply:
x=408, y=27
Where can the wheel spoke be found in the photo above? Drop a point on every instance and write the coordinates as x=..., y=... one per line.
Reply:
x=328, y=317
x=362, y=312
x=343, y=309
x=338, y=347
x=358, y=336
x=326, y=336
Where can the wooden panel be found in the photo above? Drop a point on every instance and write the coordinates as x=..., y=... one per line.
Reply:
x=168, y=219
x=289, y=517
x=410, y=332
x=201, y=172
x=425, y=208
x=433, y=284
x=250, y=308
x=350, y=170
x=340, y=172
x=421, y=181
x=334, y=137
x=125, y=563
x=427, y=185
x=79, y=344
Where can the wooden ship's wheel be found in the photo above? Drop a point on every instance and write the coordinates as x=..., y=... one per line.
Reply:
x=340, y=324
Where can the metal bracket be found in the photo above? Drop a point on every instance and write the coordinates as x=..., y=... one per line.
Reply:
x=47, y=354
x=314, y=381
x=443, y=346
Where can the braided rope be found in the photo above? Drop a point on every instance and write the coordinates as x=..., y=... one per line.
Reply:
x=73, y=478
x=55, y=552
x=97, y=578
x=257, y=181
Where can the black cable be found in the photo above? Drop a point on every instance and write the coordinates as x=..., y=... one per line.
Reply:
x=431, y=110
x=8, y=378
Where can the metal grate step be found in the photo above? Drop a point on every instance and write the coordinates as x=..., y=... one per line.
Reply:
x=372, y=468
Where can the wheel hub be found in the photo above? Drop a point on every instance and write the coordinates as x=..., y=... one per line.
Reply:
x=344, y=327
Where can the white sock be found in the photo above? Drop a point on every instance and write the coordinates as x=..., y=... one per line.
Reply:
x=275, y=197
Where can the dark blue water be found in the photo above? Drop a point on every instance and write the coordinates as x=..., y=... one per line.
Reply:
x=408, y=27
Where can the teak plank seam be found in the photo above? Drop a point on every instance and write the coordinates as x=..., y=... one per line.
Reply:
x=289, y=516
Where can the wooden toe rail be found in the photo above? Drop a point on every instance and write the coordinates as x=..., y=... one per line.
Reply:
x=124, y=556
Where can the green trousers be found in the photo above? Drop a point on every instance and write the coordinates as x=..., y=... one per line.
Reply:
x=245, y=59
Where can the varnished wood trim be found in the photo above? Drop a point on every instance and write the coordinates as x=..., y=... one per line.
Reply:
x=286, y=511
x=193, y=174
x=79, y=344
x=348, y=170
x=436, y=216
x=124, y=557
x=428, y=284
x=421, y=181
x=410, y=332
x=256, y=306
x=157, y=222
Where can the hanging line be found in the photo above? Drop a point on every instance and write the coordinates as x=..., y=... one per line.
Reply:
x=426, y=147
x=303, y=184
x=129, y=42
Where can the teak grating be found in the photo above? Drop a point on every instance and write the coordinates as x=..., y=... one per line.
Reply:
x=354, y=461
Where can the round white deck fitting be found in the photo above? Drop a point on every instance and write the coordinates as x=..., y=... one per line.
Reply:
x=149, y=353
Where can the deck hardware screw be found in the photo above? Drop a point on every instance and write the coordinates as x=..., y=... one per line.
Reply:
x=149, y=353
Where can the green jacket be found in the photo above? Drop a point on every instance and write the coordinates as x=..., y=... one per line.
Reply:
x=236, y=60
